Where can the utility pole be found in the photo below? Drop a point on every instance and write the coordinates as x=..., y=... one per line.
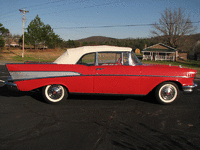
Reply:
x=24, y=12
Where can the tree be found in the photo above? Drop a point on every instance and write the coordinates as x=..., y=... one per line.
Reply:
x=3, y=30
x=34, y=31
x=173, y=25
x=39, y=33
x=2, y=43
x=3, y=33
x=26, y=39
x=49, y=38
x=72, y=44
x=196, y=50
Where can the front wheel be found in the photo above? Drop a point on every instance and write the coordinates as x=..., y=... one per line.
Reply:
x=167, y=93
x=54, y=93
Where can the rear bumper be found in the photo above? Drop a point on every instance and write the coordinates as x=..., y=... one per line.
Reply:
x=11, y=85
x=190, y=88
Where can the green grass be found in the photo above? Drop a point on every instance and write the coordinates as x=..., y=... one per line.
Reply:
x=19, y=58
x=189, y=63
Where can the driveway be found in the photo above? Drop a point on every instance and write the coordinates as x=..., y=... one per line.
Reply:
x=97, y=122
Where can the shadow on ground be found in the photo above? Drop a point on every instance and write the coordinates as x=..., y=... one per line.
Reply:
x=37, y=95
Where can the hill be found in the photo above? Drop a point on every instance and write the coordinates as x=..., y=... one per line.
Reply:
x=186, y=44
x=96, y=38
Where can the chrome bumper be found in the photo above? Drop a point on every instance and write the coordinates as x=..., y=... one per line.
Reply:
x=11, y=85
x=189, y=89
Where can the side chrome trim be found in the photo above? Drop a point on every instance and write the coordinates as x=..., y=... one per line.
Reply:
x=26, y=75
x=189, y=89
x=160, y=76
x=30, y=75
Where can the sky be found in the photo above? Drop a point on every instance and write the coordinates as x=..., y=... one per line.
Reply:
x=78, y=19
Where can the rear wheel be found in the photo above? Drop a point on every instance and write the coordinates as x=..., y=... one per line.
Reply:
x=167, y=92
x=54, y=93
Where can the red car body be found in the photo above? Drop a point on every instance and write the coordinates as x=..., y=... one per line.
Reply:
x=111, y=79
x=108, y=79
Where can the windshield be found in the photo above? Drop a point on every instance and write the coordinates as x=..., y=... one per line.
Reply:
x=135, y=60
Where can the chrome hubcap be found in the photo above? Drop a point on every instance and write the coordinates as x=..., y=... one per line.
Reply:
x=168, y=92
x=55, y=92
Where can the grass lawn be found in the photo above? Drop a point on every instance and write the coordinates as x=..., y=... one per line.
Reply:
x=31, y=55
x=29, y=58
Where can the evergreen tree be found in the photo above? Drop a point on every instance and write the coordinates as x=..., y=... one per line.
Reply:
x=39, y=33
x=3, y=32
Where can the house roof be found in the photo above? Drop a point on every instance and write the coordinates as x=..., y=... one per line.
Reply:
x=160, y=48
x=71, y=56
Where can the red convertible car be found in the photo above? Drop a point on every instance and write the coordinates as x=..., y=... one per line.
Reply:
x=101, y=69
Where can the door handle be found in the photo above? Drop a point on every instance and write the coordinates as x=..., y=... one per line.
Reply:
x=100, y=68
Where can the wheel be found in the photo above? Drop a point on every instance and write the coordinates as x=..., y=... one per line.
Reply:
x=54, y=93
x=167, y=93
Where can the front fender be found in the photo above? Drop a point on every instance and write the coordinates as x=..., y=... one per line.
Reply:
x=150, y=83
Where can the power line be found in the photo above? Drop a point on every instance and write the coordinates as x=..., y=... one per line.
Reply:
x=31, y=7
x=91, y=6
x=114, y=26
x=73, y=9
x=44, y=4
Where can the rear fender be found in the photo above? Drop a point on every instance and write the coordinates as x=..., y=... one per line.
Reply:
x=28, y=85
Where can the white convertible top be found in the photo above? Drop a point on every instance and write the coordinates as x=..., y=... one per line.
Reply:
x=71, y=56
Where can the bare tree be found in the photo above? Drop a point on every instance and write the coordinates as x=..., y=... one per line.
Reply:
x=173, y=25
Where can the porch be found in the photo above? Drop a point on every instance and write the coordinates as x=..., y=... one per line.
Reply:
x=159, y=56
x=159, y=52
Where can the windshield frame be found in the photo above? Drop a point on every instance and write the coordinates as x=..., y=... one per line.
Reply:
x=133, y=59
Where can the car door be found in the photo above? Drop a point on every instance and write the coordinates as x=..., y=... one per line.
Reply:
x=116, y=77
x=84, y=82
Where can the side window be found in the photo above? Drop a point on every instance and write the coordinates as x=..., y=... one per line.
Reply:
x=125, y=58
x=88, y=60
x=106, y=58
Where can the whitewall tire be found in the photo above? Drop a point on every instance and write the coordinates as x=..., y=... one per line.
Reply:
x=167, y=93
x=54, y=93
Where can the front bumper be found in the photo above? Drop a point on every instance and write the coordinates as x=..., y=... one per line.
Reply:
x=190, y=88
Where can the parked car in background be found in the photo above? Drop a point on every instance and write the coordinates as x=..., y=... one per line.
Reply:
x=104, y=70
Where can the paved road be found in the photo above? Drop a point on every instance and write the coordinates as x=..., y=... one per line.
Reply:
x=86, y=122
